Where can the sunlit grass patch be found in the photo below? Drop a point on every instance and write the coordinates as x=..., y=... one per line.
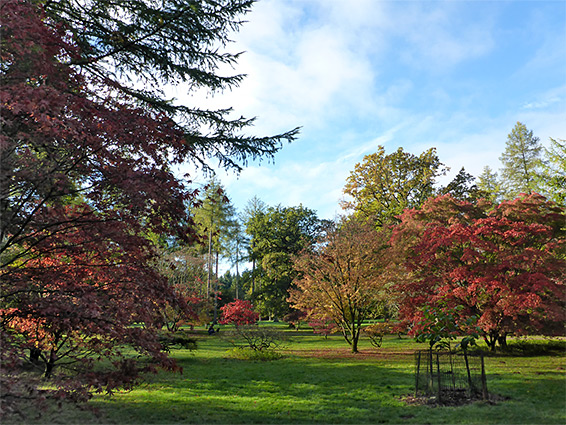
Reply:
x=319, y=381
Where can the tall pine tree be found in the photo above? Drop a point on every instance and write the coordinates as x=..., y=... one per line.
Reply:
x=553, y=179
x=521, y=162
x=489, y=184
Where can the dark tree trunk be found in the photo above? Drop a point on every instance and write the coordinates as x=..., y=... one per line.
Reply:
x=355, y=338
x=490, y=339
x=34, y=354
x=502, y=340
x=50, y=364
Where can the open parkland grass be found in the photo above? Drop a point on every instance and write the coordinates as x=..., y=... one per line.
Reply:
x=319, y=381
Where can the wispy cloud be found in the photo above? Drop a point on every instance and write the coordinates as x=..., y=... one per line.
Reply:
x=418, y=74
x=555, y=97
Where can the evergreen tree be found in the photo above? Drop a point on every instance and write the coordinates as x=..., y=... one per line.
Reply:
x=553, y=178
x=234, y=242
x=214, y=217
x=277, y=234
x=462, y=187
x=488, y=183
x=251, y=218
x=521, y=162
x=137, y=47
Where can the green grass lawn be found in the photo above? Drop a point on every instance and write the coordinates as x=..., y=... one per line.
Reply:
x=319, y=381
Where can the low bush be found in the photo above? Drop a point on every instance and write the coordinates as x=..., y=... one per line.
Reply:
x=255, y=337
x=246, y=353
x=535, y=347
x=377, y=331
x=179, y=339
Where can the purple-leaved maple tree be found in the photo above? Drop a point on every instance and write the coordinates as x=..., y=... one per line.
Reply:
x=86, y=177
x=503, y=263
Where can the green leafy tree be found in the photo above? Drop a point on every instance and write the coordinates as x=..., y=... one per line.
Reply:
x=489, y=184
x=276, y=235
x=553, y=178
x=521, y=162
x=382, y=186
x=462, y=187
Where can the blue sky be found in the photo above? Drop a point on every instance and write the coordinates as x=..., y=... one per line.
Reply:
x=455, y=75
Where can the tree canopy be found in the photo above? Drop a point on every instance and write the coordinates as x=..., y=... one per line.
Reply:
x=278, y=233
x=86, y=174
x=344, y=280
x=489, y=184
x=553, y=179
x=521, y=162
x=383, y=185
x=504, y=265
x=137, y=47
x=463, y=187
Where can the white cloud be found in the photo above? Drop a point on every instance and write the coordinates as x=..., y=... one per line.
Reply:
x=358, y=74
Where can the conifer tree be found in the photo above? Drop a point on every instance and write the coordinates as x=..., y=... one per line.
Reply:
x=489, y=184
x=521, y=162
x=553, y=179
x=89, y=144
x=138, y=46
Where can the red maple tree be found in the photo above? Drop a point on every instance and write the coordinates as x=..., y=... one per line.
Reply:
x=86, y=174
x=504, y=264
x=239, y=312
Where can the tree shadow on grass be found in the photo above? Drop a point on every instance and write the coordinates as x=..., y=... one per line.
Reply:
x=299, y=391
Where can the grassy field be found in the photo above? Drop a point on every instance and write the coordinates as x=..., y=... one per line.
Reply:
x=319, y=381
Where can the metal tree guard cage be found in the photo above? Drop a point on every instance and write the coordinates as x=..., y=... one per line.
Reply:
x=443, y=373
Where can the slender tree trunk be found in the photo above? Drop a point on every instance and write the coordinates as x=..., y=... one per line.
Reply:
x=209, y=262
x=490, y=339
x=253, y=276
x=502, y=340
x=354, y=345
x=355, y=339
x=50, y=364
x=216, y=291
x=237, y=279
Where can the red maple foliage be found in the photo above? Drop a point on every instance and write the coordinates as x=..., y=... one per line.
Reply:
x=505, y=264
x=323, y=325
x=239, y=312
x=85, y=176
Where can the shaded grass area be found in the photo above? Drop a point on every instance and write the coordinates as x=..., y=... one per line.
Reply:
x=319, y=381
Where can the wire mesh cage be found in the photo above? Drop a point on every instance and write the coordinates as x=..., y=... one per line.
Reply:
x=445, y=373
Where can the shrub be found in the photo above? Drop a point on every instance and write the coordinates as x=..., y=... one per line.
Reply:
x=295, y=318
x=238, y=312
x=256, y=338
x=323, y=326
x=246, y=353
x=377, y=331
x=179, y=339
